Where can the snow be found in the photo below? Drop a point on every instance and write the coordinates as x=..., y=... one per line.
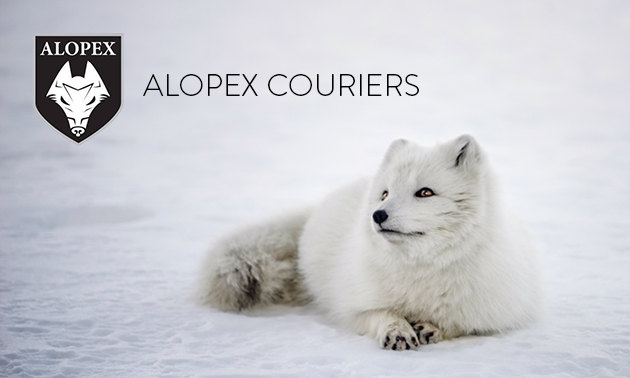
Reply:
x=100, y=243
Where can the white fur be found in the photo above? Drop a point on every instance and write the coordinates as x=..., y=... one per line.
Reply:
x=457, y=264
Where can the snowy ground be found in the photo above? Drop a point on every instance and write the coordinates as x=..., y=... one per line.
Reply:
x=99, y=244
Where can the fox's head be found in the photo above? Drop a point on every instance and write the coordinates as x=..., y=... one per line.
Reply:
x=78, y=96
x=428, y=198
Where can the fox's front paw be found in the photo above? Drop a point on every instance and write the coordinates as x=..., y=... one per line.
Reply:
x=427, y=333
x=399, y=336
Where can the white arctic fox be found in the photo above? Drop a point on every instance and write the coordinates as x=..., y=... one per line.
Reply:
x=421, y=252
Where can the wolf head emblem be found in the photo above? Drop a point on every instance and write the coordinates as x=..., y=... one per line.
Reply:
x=78, y=96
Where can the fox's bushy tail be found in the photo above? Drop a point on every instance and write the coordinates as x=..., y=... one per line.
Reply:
x=255, y=265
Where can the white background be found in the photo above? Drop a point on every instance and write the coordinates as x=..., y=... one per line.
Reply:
x=100, y=243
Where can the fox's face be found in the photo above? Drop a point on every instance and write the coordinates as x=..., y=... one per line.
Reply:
x=428, y=197
x=78, y=96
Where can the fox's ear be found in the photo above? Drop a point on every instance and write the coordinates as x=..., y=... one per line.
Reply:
x=64, y=74
x=464, y=151
x=92, y=75
x=394, y=148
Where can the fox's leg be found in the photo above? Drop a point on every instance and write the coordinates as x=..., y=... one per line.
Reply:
x=427, y=333
x=390, y=330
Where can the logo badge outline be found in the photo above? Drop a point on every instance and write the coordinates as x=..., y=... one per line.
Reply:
x=88, y=66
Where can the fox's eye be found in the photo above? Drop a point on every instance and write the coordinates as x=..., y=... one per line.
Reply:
x=385, y=193
x=64, y=101
x=91, y=101
x=424, y=192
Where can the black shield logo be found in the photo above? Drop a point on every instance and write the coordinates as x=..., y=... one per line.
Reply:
x=78, y=82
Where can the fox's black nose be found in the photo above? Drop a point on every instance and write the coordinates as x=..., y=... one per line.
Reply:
x=379, y=216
